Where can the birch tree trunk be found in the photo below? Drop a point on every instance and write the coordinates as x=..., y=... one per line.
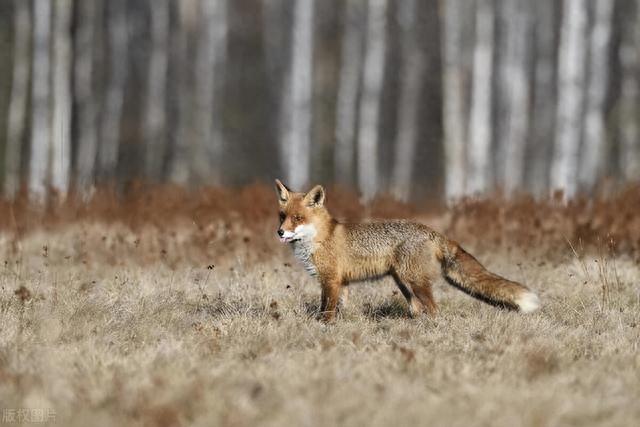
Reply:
x=594, y=150
x=514, y=94
x=19, y=93
x=544, y=94
x=348, y=85
x=61, y=126
x=216, y=147
x=629, y=103
x=413, y=66
x=479, y=149
x=571, y=79
x=87, y=132
x=454, y=99
x=40, y=92
x=180, y=163
x=155, y=109
x=296, y=115
x=206, y=138
x=370, y=99
x=117, y=66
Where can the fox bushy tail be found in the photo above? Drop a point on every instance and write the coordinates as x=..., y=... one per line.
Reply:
x=466, y=273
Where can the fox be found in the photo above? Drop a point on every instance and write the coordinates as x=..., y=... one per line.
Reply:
x=414, y=255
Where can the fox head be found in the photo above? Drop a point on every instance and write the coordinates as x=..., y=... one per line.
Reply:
x=302, y=215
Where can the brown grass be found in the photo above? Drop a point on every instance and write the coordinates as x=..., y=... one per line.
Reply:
x=176, y=308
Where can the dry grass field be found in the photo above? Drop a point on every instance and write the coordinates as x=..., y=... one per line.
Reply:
x=171, y=309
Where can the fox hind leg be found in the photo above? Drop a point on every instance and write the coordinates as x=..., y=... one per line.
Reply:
x=418, y=293
x=415, y=307
x=425, y=294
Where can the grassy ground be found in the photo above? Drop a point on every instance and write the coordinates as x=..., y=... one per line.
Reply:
x=111, y=324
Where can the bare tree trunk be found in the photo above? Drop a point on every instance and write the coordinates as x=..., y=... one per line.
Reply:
x=571, y=78
x=87, y=131
x=296, y=115
x=19, y=93
x=40, y=92
x=544, y=93
x=413, y=67
x=514, y=93
x=274, y=38
x=629, y=102
x=206, y=138
x=180, y=166
x=594, y=150
x=155, y=113
x=454, y=99
x=370, y=100
x=479, y=151
x=347, y=104
x=216, y=147
x=110, y=129
x=61, y=126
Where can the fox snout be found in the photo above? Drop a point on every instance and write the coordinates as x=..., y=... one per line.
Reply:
x=286, y=236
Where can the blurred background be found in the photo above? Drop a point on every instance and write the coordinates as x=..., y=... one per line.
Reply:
x=419, y=99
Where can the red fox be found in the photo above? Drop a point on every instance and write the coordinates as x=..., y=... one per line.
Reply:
x=413, y=254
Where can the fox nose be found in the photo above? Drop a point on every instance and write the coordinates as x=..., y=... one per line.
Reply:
x=280, y=232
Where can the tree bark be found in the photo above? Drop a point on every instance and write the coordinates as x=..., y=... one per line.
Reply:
x=544, y=97
x=514, y=93
x=180, y=168
x=117, y=66
x=370, y=99
x=296, y=115
x=347, y=104
x=454, y=99
x=413, y=66
x=206, y=138
x=479, y=148
x=84, y=69
x=629, y=152
x=19, y=93
x=274, y=37
x=155, y=110
x=571, y=79
x=40, y=93
x=61, y=126
x=594, y=151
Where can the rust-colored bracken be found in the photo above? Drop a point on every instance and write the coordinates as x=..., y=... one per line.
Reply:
x=243, y=218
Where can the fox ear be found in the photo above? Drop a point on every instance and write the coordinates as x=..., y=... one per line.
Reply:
x=282, y=191
x=315, y=197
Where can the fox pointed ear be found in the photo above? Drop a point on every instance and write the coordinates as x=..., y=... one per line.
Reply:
x=315, y=197
x=282, y=191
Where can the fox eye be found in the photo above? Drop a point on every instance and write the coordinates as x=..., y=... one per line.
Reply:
x=282, y=216
x=297, y=218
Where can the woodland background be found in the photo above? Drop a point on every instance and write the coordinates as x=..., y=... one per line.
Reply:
x=416, y=98
x=123, y=302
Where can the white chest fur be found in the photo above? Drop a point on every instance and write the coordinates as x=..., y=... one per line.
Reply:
x=304, y=247
x=303, y=251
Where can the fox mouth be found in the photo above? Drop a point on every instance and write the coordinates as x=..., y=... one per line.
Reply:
x=288, y=239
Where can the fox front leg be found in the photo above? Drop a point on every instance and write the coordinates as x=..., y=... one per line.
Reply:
x=330, y=297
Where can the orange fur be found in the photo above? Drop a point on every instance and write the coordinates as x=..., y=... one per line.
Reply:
x=413, y=254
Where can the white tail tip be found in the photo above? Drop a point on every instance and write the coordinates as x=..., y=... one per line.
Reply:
x=528, y=302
